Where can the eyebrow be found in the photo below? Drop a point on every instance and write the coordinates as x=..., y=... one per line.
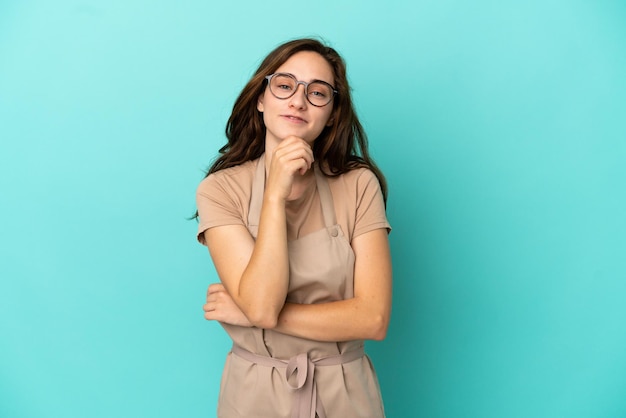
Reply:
x=312, y=81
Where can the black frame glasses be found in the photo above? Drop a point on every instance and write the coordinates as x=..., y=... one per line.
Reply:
x=282, y=95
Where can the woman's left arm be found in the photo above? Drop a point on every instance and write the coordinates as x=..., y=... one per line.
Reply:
x=366, y=316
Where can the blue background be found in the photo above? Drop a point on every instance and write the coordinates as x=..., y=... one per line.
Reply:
x=501, y=129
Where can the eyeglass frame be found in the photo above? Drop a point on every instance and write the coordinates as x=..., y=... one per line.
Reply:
x=306, y=88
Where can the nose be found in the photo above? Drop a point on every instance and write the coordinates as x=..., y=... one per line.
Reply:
x=298, y=99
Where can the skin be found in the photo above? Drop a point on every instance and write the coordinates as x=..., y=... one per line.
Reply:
x=247, y=295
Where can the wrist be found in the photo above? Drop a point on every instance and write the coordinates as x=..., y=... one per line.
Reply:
x=274, y=200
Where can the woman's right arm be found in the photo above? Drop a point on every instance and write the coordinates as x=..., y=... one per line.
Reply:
x=256, y=274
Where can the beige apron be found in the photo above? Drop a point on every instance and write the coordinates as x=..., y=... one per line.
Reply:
x=274, y=375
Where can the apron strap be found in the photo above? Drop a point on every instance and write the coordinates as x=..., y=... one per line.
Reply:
x=326, y=197
x=256, y=197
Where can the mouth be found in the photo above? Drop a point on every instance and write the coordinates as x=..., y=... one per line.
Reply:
x=295, y=119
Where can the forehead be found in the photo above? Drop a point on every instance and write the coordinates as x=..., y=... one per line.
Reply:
x=307, y=66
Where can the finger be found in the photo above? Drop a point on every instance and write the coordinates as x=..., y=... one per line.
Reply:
x=210, y=316
x=215, y=287
x=292, y=140
x=292, y=143
x=296, y=160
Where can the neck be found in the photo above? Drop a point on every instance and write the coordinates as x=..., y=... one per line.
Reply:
x=301, y=186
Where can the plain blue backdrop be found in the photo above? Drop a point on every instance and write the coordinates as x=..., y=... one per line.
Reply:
x=501, y=129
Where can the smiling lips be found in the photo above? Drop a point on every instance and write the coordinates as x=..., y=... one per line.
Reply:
x=293, y=118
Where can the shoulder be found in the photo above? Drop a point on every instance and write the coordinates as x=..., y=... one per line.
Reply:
x=356, y=189
x=226, y=190
x=223, y=197
x=359, y=201
x=355, y=181
x=236, y=179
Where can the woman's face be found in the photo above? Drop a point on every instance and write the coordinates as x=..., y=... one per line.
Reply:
x=295, y=115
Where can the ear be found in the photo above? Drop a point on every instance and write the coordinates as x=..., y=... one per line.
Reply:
x=259, y=104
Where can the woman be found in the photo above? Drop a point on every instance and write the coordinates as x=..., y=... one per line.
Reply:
x=293, y=214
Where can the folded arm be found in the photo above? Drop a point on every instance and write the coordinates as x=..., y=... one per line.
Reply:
x=242, y=265
x=366, y=316
x=241, y=262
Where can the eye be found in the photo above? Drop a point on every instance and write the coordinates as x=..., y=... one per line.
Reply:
x=319, y=94
x=283, y=82
x=319, y=90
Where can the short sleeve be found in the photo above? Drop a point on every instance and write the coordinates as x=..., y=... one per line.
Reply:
x=370, y=205
x=217, y=204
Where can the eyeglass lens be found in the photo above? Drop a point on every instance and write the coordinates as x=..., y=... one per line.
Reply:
x=284, y=86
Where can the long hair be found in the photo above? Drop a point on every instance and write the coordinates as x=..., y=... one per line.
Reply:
x=342, y=146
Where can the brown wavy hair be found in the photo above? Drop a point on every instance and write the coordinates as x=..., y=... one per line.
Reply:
x=342, y=146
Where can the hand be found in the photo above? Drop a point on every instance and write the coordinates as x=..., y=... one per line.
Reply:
x=221, y=307
x=293, y=156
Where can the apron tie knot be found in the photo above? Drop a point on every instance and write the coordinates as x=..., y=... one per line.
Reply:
x=306, y=400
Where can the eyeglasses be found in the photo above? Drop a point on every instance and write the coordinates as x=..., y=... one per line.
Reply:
x=283, y=86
